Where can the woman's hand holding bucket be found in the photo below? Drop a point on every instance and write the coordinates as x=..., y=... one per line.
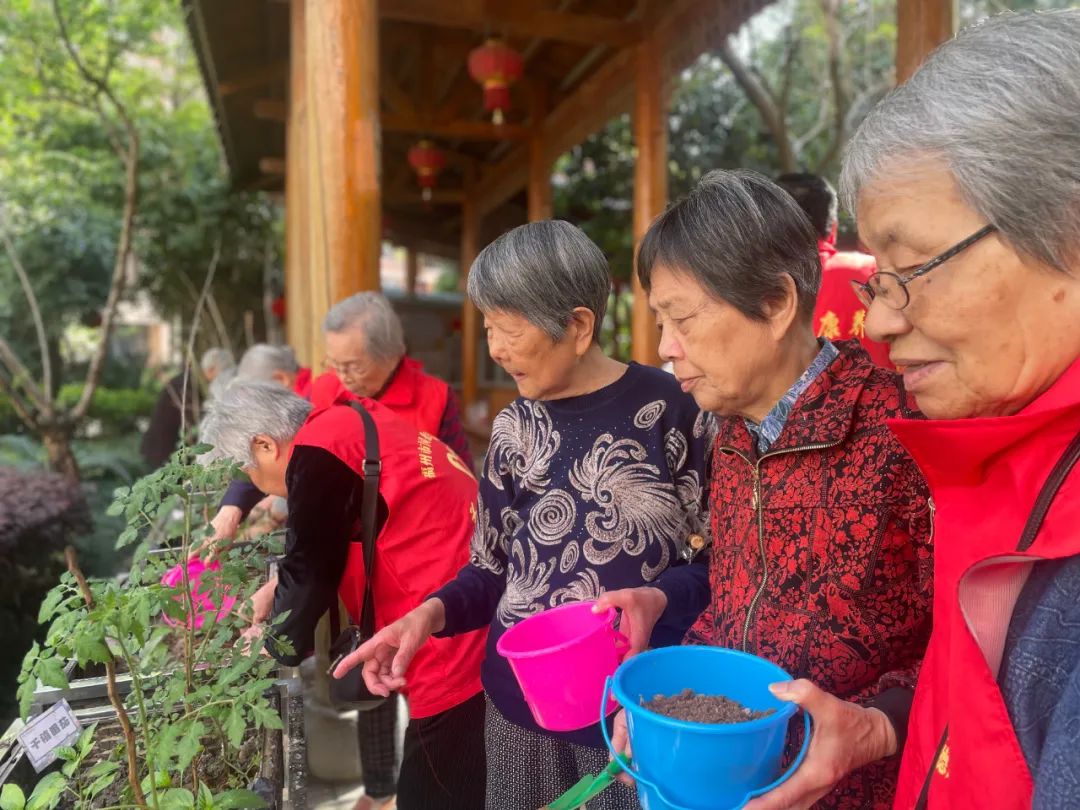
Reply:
x=620, y=741
x=641, y=610
x=387, y=654
x=846, y=736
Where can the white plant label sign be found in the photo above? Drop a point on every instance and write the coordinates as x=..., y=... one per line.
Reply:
x=56, y=727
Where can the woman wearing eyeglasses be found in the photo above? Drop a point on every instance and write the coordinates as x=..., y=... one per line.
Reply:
x=966, y=182
x=820, y=520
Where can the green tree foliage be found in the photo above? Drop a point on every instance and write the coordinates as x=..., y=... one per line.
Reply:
x=112, y=181
x=783, y=94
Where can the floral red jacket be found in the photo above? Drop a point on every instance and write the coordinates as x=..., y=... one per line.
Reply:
x=821, y=558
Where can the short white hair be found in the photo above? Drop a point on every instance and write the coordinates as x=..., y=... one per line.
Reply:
x=263, y=360
x=247, y=409
x=370, y=312
x=1000, y=105
x=216, y=359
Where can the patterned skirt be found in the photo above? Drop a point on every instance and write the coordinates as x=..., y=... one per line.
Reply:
x=526, y=769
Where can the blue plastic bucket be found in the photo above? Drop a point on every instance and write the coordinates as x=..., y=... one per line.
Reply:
x=679, y=765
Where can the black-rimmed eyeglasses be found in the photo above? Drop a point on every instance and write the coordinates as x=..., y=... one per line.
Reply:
x=891, y=288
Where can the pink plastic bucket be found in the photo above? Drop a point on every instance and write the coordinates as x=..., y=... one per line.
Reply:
x=204, y=605
x=561, y=658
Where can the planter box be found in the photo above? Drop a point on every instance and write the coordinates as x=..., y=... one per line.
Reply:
x=282, y=779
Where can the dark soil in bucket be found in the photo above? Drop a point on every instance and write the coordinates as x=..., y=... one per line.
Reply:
x=695, y=708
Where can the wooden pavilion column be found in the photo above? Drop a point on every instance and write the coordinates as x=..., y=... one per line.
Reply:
x=342, y=56
x=297, y=285
x=470, y=316
x=650, y=182
x=412, y=269
x=921, y=25
x=539, y=187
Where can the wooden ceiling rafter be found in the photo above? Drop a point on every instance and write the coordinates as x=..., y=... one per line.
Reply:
x=461, y=129
x=502, y=17
x=255, y=78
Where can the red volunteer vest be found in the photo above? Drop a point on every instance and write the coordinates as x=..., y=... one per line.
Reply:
x=415, y=396
x=985, y=475
x=302, y=384
x=838, y=315
x=430, y=495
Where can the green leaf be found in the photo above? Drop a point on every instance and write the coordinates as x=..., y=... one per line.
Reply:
x=176, y=799
x=102, y=768
x=66, y=753
x=189, y=745
x=26, y=697
x=101, y=783
x=50, y=604
x=86, y=741
x=91, y=648
x=236, y=799
x=47, y=792
x=12, y=797
x=235, y=726
x=265, y=717
x=51, y=673
x=206, y=798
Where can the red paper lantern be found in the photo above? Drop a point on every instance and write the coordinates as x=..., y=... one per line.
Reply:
x=427, y=161
x=496, y=66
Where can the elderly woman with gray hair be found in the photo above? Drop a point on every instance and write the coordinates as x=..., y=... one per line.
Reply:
x=365, y=348
x=820, y=520
x=593, y=481
x=966, y=185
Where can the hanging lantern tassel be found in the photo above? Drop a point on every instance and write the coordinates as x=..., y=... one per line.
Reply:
x=496, y=66
x=427, y=161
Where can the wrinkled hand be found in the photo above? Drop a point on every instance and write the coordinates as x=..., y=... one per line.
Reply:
x=641, y=610
x=845, y=737
x=224, y=523
x=620, y=741
x=262, y=601
x=387, y=654
x=252, y=635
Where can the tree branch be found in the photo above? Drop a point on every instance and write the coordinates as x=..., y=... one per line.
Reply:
x=830, y=8
x=22, y=408
x=129, y=157
x=761, y=98
x=110, y=679
x=196, y=319
x=791, y=49
x=35, y=310
x=20, y=376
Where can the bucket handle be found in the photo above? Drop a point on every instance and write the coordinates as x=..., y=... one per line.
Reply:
x=636, y=774
x=622, y=643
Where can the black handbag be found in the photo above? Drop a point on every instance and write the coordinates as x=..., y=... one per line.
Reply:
x=350, y=692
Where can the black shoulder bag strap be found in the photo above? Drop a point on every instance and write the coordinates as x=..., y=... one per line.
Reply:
x=368, y=509
x=1031, y=529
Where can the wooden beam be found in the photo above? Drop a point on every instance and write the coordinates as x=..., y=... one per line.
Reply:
x=470, y=317
x=608, y=91
x=461, y=130
x=650, y=183
x=257, y=77
x=272, y=165
x=512, y=20
x=398, y=100
x=539, y=188
x=921, y=25
x=343, y=114
x=447, y=196
x=412, y=268
x=268, y=109
x=297, y=297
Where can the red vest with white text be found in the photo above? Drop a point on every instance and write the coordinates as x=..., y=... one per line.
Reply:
x=431, y=496
x=838, y=314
